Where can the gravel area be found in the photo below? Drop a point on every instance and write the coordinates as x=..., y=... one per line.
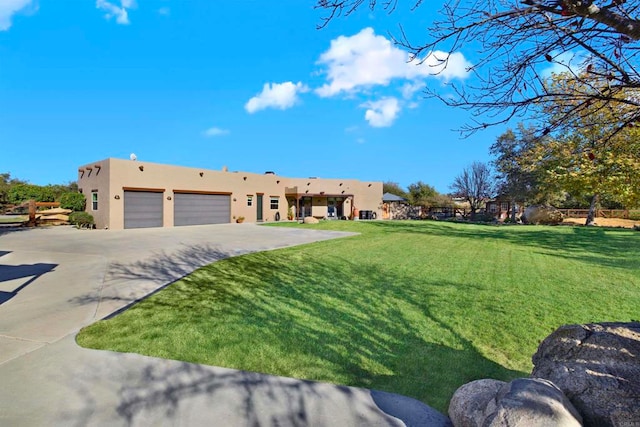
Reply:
x=604, y=222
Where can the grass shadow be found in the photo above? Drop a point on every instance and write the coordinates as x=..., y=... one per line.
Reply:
x=415, y=308
x=328, y=320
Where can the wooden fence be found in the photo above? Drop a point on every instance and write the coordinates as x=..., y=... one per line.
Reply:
x=601, y=213
x=33, y=205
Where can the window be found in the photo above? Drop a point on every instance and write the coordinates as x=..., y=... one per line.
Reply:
x=504, y=206
x=274, y=203
x=493, y=208
x=249, y=200
x=94, y=200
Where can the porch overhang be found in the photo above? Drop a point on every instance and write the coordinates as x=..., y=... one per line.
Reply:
x=318, y=195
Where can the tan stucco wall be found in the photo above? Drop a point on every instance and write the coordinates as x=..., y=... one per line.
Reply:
x=127, y=174
x=116, y=175
x=92, y=178
x=367, y=195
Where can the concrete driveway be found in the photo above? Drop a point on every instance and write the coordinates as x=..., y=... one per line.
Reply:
x=54, y=281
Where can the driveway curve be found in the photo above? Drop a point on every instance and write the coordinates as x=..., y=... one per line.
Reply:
x=54, y=281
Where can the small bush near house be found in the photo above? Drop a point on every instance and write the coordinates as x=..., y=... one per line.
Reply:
x=74, y=201
x=483, y=217
x=81, y=219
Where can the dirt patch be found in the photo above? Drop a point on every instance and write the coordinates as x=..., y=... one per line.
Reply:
x=604, y=222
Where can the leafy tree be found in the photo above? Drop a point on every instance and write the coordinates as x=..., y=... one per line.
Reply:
x=575, y=164
x=518, y=40
x=16, y=191
x=59, y=189
x=440, y=200
x=74, y=201
x=475, y=185
x=421, y=193
x=513, y=180
x=593, y=157
x=394, y=188
x=20, y=193
x=5, y=184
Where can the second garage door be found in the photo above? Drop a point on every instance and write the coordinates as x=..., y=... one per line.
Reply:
x=199, y=209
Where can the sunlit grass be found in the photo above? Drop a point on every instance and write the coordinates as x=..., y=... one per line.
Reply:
x=416, y=308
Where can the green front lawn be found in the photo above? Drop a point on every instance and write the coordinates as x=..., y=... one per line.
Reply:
x=416, y=308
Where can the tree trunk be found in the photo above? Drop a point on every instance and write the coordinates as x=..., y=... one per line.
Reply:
x=591, y=217
x=513, y=211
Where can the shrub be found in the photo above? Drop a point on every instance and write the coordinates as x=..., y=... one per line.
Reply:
x=81, y=219
x=74, y=201
x=634, y=215
x=20, y=193
x=483, y=217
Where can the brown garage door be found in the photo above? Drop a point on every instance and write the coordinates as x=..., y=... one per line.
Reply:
x=199, y=209
x=142, y=209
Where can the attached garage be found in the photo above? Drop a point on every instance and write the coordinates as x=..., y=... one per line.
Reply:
x=142, y=209
x=201, y=208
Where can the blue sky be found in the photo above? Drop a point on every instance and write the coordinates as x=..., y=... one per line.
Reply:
x=251, y=85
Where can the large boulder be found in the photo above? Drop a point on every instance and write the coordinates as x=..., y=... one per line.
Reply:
x=471, y=402
x=524, y=402
x=542, y=214
x=311, y=220
x=597, y=366
x=532, y=402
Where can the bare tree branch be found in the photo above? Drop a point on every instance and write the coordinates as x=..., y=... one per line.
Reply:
x=519, y=41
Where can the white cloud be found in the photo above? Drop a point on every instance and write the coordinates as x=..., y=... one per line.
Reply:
x=8, y=8
x=410, y=88
x=443, y=65
x=276, y=95
x=215, y=131
x=119, y=12
x=164, y=11
x=365, y=59
x=381, y=113
x=361, y=140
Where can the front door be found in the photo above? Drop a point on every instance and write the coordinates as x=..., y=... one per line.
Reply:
x=385, y=211
x=331, y=208
x=334, y=207
x=305, y=207
x=259, y=207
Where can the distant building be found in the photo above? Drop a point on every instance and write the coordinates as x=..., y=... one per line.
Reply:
x=396, y=207
x=137, y=194
x=500, y=208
